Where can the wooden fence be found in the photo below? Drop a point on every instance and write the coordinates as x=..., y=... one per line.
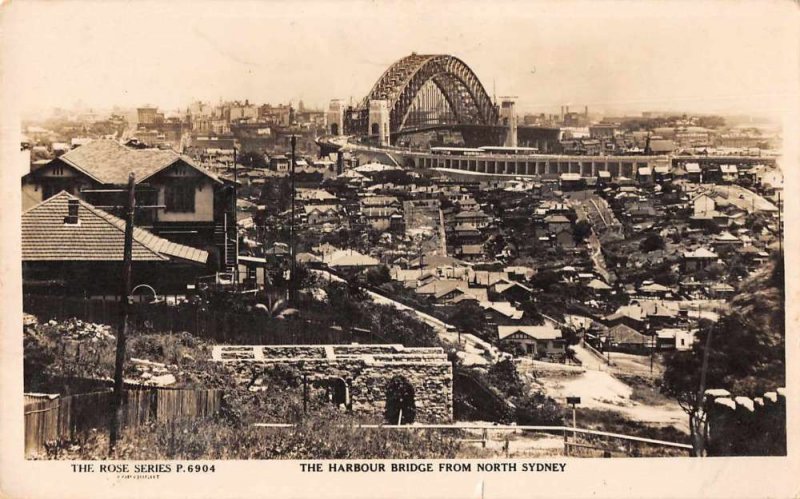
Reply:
x=70, y=418
x=223, y=326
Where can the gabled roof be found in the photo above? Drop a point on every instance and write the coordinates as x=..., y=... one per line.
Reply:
x=314, y=195
x=504, y=308
x=551, y=219
x=98, y=236
x=109, y=162
x=624, y=334
x=598, y=285
x=544, y=332
x=350, y=258
x=700, y=253
x=505, y=285
x=654, y=288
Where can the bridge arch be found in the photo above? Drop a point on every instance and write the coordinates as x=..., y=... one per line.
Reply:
x=415, y=81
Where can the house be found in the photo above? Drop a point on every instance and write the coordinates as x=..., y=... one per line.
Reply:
x=698, y=259
x=500, y=312
x=539, y=341
x=725, y=241
x=674, y=339
x=626, y=339
x=315, y=196
x=693, y=172
x=654, y=289
x=349, y=259
x=179, y=200
x=320, y=214
x=557, y=223
x=512, y=291
x=627, y=316
x=599, y=287
x=477, y=219
x=721, y=290
x=72, y=246
x=730, y=173
x=381, y=217
x=279, y=163
x=471, y=252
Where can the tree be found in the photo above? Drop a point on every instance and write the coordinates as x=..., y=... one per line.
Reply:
x=545, y=279
x=744, y=352
x=581, y=231
x=252, y=159
x=378, y=275
x=651, y=243
x=531, y=314
x=468, y=316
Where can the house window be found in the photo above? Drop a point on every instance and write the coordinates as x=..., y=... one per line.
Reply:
x=179, y=198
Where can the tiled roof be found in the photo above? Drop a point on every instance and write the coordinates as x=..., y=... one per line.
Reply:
x=98, y=236
x=109, y=162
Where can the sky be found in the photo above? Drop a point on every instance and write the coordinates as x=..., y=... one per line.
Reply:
x=707, y=57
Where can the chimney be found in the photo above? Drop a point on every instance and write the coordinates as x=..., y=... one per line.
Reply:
x=72, y=212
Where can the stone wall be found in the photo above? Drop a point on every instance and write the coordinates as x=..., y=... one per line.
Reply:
x=744, y=426
x=365, y=369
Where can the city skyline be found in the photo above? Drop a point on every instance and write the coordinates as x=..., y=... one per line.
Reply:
x=618, y=58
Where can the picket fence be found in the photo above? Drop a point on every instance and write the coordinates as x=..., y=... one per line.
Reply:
x=69, y=418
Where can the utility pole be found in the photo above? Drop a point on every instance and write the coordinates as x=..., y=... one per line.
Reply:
x=235, y=225
x=292, y=297
x=127, y=261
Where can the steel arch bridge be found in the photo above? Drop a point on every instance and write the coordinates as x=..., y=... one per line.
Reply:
x=426, y=91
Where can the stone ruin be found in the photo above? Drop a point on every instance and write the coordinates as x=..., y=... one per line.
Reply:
x=358, y=374
x=744, y=426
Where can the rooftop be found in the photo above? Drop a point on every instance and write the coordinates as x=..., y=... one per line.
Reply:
x=98, y=236
x=109, y=162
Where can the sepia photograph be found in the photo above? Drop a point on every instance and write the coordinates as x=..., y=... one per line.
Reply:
x=373, y=231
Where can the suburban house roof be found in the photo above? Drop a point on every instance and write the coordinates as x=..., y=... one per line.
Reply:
x=505, y=285
x=350, y=258
x=504, y=308
x=109, y=162
x=97, y=236
x=472, y=249
x=700, y=253
x=379, y=201
x=560, y=219
x=488, y=278
x=434, y=261
x=440, y=287
x=544, y=332
x=654, y=288
x=314, y=195
x=622, y=334
x=321, y=208
x=598, y=285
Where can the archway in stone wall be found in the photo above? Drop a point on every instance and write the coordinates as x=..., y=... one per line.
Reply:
x=336, y=391
x=400, y=404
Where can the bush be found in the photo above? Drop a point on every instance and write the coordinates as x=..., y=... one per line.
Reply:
x=538, y=409
x=503, y=375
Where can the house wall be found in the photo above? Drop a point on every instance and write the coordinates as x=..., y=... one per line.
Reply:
x=57, y=174
x=203, y=196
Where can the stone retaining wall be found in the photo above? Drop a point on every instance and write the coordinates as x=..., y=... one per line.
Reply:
x=743, y=426
x=365, y=369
